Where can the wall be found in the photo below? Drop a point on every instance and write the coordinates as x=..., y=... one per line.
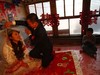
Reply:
x=10, y=12
x=20, y=12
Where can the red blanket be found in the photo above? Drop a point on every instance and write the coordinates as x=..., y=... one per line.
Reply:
x=63, y=64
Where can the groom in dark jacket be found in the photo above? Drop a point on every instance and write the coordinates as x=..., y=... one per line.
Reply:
x=42, y=45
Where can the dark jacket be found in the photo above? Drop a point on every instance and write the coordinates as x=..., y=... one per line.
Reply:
x=41, y=40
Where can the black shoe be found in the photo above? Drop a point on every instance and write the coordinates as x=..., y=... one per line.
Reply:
x=46, y=61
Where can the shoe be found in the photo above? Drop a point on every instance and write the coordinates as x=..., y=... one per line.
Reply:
x=46, y=62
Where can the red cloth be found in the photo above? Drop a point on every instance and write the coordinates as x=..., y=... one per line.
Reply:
x=62, y=64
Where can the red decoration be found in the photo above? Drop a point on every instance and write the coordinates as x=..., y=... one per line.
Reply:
x=94, y=19
x=6, y=11
x=90, y=17
x=50, y=20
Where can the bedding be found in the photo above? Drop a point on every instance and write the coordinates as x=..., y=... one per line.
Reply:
x=3, y=63
x=18, y=68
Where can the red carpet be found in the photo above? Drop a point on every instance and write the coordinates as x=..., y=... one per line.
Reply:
x=63, y=64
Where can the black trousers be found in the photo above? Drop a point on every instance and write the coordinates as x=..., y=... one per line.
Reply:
x=44, y=54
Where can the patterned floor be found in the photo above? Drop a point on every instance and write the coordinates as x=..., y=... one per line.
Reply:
x=89, y=65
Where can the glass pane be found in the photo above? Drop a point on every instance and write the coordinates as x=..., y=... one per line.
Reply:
x=95, y=4
x=48, y=28
x=39, y=9
x=78, y=6
x=69, y=7
x=63, y=28
x=96, y=27
x=63, y=24
x=46, y=7
x=75, y=26
x=31, y=8
x=60, y=7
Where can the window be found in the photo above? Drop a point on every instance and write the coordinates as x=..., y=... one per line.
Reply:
x=32, y=8
x=60, y=7
x=46, y=7
x=78, y=7
x=63, y=28
x=96, y=27
x=47, y=10
x=69, y=7
x=72, y=8
x=75, y=27
x=63, y=24
x=39, y=11
x=95, y=4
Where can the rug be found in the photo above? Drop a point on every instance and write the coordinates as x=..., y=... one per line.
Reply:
x=64, y=63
